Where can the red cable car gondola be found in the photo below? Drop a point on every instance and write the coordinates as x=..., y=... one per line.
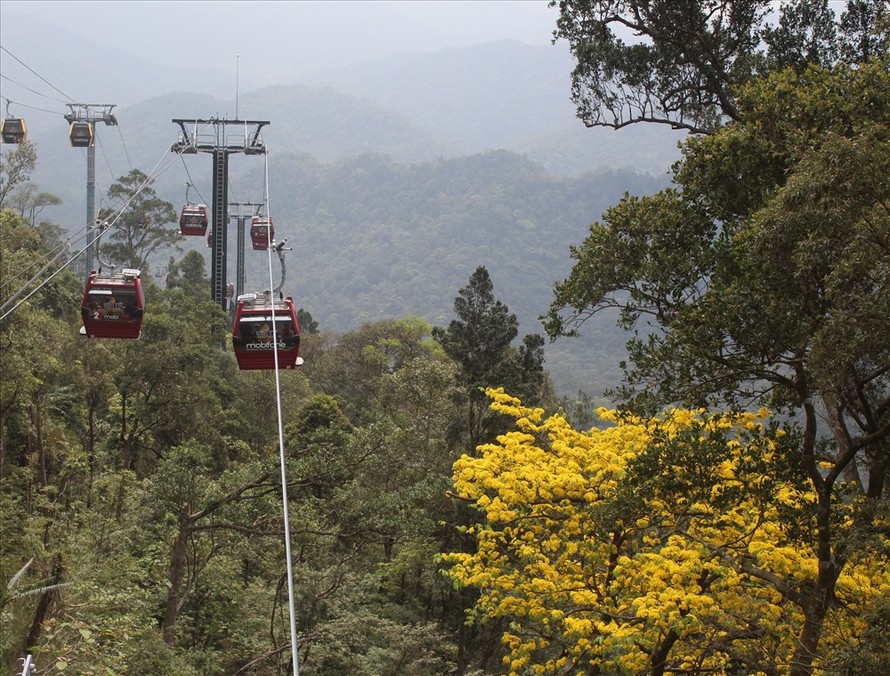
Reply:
x=262, y=232
x=112, y=305
x=194, y=219
x=252, y=334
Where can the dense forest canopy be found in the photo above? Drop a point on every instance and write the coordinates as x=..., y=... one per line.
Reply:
x=450, y=514
x=142, y=520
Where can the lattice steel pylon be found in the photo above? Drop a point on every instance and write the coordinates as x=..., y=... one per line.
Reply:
x=210, y=136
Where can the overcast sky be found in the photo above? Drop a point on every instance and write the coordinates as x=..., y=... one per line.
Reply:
x=306, y=35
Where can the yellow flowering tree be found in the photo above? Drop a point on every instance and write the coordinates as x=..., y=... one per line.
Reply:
x=761, y=279
x=650, y=545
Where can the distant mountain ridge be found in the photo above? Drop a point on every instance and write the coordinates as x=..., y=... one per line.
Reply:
x=493, y=95
x=498, y=95
x=391, y=179
x=508, y=95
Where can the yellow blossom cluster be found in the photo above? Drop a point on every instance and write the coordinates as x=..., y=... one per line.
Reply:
x=611, y=546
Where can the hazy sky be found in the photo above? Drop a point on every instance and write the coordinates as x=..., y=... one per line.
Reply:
x=313, y=34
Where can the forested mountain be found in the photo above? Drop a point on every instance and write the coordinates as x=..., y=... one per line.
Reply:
x=379, y=226
x=372, y=237
x=447, y=512
x=503, y=95
x=389, y=178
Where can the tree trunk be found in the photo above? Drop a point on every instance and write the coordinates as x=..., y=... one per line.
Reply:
x=461, y=649
x=37, y=440
x=91, y=442
x=4, y=413
x=814, y=617
x=658, y=659
x=177, y=573
x=43, y=606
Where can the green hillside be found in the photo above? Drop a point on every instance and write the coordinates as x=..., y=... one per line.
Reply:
x=373, y=239
x=387, y=180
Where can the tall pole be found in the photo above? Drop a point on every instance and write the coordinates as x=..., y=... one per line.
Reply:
x=220, y=223
x=82, y=117
x=209, y=136
x=91, y=205
x=241, y=218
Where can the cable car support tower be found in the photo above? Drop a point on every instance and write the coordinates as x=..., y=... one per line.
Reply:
x=82, y=120
x=218, y=143
x=241, y=212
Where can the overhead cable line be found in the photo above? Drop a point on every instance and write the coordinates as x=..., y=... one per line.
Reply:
x=21, y=290
x=33, y=91
x=54, y=253
x=281, y=456
x=25, y=105
x=191, y=181
x=48, y=279
x=105, y=157
x=89, y=244
x=124, y=145
x=68, y=98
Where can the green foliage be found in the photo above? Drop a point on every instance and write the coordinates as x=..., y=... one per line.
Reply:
x=479, y=338
x=758, y=281
x=479, y=341
x=189, y=274
x=307, y=324
x=353, y=364
x=365, y=638
x=137, y=223
x=16, y=167
x=141, y=477
x=868, y=652
x=317, y=413
x=694, y=56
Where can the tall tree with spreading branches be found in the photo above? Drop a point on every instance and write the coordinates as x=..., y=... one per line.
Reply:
x=681, y=62
x=138, y=230
x=763, y=278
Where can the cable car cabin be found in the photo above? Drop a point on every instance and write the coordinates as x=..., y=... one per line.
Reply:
x=112, y=305
x=262, y=232
x=80, y=134
x=193, y=220
x=252, y=333
x=13, y=130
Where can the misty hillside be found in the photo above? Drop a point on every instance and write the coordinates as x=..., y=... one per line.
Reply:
x=375, y=239
x=322, y=122
x=392, y=180
x=84, y=70
x=499, y=95
x=504, y=95
x=331, y=125
x=494, y=95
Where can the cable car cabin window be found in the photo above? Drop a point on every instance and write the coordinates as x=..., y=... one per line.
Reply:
x=111, y=305
x=255, y=333
x=193, y=221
